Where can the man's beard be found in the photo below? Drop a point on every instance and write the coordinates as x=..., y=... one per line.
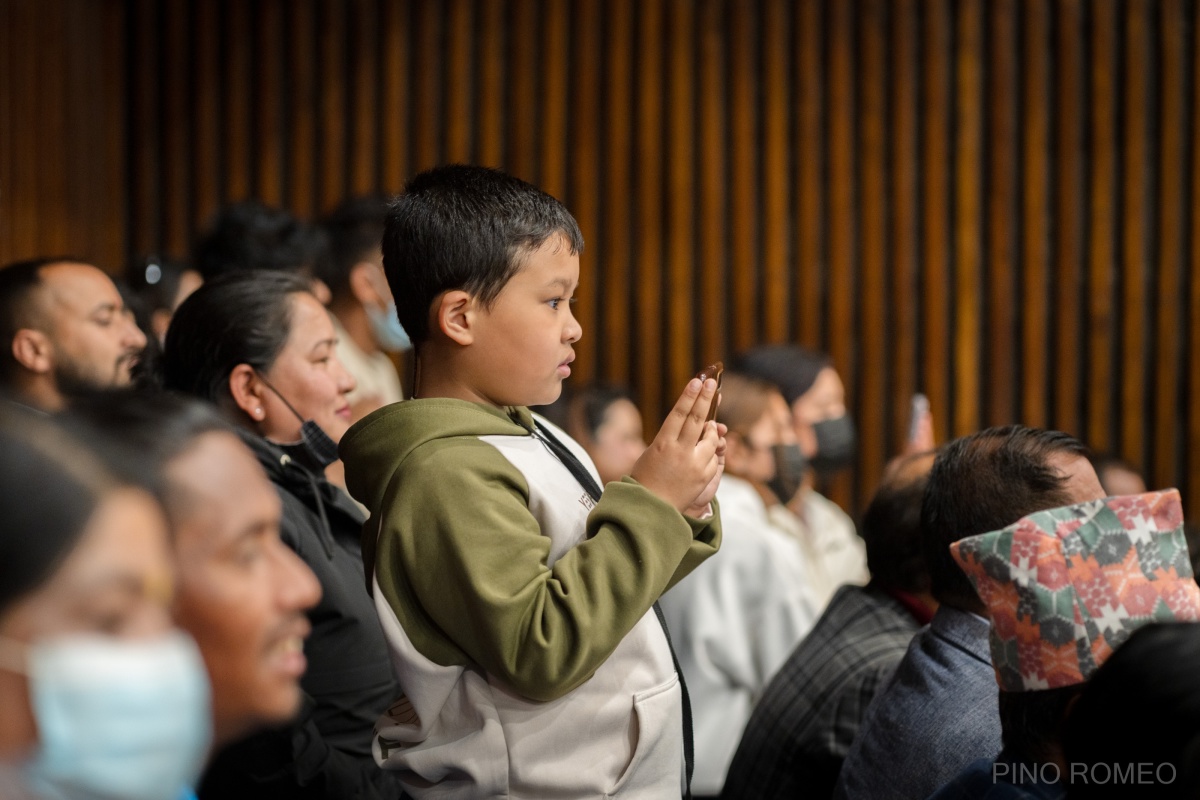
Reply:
x=77, y=383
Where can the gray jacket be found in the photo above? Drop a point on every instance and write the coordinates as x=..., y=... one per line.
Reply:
x=936, y=715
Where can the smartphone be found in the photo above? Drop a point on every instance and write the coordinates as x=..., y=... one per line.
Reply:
x=714, y=371
x=918, y=412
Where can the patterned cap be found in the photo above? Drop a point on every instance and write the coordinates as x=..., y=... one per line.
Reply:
x=1065, y=587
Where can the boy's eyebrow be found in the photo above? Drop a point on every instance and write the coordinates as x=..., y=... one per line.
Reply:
x=332, y=342
x=565, y=283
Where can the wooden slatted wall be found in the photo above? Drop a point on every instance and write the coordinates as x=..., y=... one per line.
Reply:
x=996, y=203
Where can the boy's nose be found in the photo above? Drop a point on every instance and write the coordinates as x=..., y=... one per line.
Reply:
x=573, y=331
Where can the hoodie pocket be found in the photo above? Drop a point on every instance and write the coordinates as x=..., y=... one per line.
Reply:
x=657, y=759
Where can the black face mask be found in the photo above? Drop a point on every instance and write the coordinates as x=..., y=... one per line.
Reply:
x=836, y=442
x=315, y=450
x=790, y=466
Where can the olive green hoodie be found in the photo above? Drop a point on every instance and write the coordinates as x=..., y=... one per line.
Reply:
x=517, y=610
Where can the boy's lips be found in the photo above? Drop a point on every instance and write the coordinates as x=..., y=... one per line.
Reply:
x=564, y=368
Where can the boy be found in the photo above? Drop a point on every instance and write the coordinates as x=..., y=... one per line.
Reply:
x=516, y=601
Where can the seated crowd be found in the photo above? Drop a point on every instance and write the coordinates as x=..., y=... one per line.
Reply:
x=238, y=564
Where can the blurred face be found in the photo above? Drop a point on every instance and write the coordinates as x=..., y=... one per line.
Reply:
x=618, y=442
x=1120, y=481
x=116, y=582
x=825, y=399
x=94, y=338
x=308, y=373
x=750, y=455
x=242, y=592
x=522, y=348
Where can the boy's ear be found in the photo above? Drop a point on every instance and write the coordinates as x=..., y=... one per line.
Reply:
x=454, y=316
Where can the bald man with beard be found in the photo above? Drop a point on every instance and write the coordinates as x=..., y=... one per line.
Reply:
x=68, y=333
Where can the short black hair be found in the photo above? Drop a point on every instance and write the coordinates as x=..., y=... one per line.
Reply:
x=354, y=233
x=238, y=318
x=891, y=527
x=1141, y=705
x=138, y=434
x=981, y=483
x=19, y=281
x=1031, y=723
x=252, y=236
x=792, y=368
x=465, y=227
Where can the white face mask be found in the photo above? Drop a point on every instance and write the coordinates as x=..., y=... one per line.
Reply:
x=121, y=719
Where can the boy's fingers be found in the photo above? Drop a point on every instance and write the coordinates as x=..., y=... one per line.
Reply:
x=694, y=426
x=678, y=415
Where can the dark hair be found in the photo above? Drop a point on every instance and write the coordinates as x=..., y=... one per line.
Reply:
x=464, y=227
x=891, y=526
x=138, y=434
x=239, y=318
x=251, y=236
x=354, y=233
x=50, y=484
x=1141, y=705
x=18, y=283
x=154, y=280
x=1031, y=723
x=981, y=483
x=790, y=367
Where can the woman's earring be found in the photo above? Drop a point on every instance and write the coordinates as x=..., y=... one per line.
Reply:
x=258, y=413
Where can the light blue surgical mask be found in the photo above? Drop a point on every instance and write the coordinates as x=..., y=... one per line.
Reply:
x=116, y=718
x=386, y=328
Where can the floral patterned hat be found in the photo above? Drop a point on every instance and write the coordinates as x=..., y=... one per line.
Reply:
x=1065, y=587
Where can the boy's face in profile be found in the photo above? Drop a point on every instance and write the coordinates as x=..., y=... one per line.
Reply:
x=524, y=341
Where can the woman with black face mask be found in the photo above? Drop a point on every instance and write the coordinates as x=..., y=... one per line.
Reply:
x=260, y=346
x=826, y=444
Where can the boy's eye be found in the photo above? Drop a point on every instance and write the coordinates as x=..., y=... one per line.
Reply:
x=555, y=303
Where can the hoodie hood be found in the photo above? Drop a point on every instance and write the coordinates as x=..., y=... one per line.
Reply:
x=375, y=446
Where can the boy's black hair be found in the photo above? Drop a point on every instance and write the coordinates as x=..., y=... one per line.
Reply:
x=354, y=233
x=981, y=483
x=1031, y=723
x=465, y=227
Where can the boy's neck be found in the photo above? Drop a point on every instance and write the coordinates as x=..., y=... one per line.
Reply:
x=440, y=372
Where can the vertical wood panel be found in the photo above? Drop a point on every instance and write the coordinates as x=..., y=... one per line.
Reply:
x=904, y=212
x=842, y=178
x=1103, y=223
x=303, y=108
x=428, y=51
x=177, y=142
x=680, y=199
x=1068, y=381
x=618, y=191
x=935, y=156
x=647, y=302
x=364, y=69
x=1167, y=414
x=967, y=214
x=145, y=116
x=1193, y=427
x=552, y=150
x=1001, y=287
x=521, y=157
x=810, y=28
x=744, y=213
x=1133, y=342
x=395, y=80
x=586, y=179
x=269, y=104
x=776, y=233
x=492, y=81
x=332, y=135
x=1035, y=227
x=237, y=77
x=713, y=188
x=459, y=87
x=871, y=381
